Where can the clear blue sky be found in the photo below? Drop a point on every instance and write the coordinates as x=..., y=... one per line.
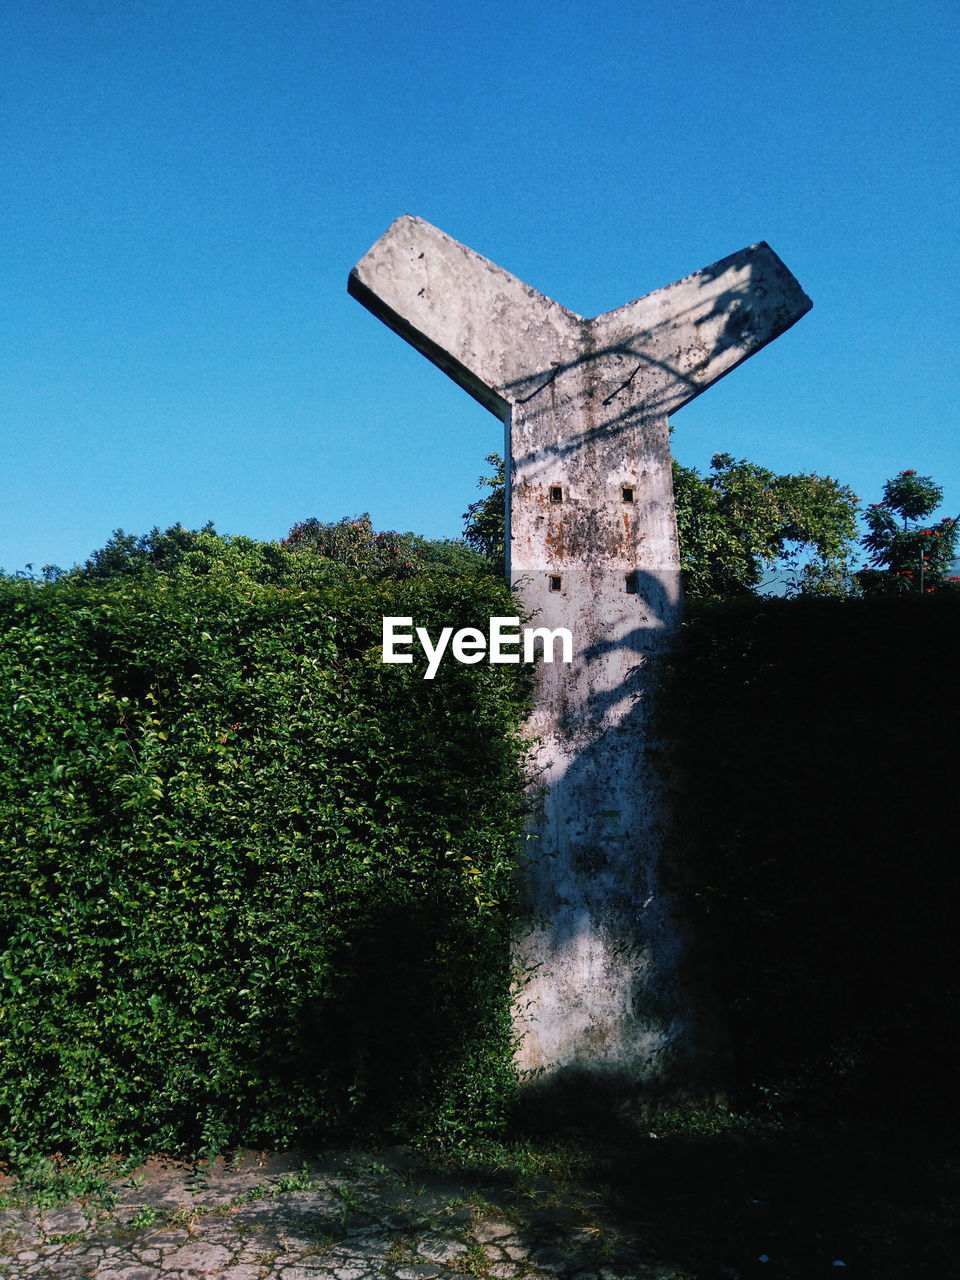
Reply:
x=187, y=185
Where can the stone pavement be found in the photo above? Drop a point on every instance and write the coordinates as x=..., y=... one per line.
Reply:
x=347, y=1216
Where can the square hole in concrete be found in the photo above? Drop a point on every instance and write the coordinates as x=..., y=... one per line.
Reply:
x=556, y=582
x=556, y=493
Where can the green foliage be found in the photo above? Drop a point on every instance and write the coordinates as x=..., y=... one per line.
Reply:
x=741, y=521
x=905, y=557
x=818, y=817
x=353, y=541
x=486, y=519
x=255, y=883
x=193, y=554
x=203, y=553
x=128, y=556
x=911, y=496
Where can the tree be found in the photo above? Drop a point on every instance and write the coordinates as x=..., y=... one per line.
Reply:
x=903, y=555
x=353, y=541
x=486, y=519
x=741, y=522
x=125, y=555
x=179, y=551
x=308, y=555
x=734, y=525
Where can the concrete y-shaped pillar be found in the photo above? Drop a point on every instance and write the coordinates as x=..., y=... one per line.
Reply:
x=591, y=546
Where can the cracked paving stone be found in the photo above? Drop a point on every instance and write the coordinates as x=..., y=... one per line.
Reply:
x=261, y=1215
x=441, y=1248
x=368, y=1238
x=512, y=1248
x=199, y=1257
x=62, y=1222
x=295, y=1244
x=549, y=1258
x=121, y=1271
x=344, y=1250
x=304, y=1235
x=301, y=1272
x=491, y=1229
x=217, y=1233
x=67, y=1268
x=254, y=1249
x=168, y=1239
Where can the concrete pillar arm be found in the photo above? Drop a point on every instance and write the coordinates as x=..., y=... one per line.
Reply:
x=485, y=328
x=694, y=331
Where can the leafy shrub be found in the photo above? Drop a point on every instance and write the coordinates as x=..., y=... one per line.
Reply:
x=354, y=542
x=254, y=882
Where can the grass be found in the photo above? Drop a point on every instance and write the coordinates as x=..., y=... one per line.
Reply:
x=46, y=1182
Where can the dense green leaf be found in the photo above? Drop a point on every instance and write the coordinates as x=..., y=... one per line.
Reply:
x=233, y=897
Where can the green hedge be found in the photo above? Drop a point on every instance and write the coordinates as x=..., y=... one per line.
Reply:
x=817, y=756
x=255, y=883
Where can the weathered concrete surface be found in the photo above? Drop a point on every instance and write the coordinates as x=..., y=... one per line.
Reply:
x=592, y=546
